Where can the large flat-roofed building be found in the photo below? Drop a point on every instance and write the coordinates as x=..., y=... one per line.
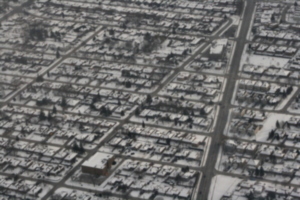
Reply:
x=98, y=164
x=218, y=47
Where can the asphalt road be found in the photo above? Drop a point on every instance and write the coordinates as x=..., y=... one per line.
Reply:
x=209, y=169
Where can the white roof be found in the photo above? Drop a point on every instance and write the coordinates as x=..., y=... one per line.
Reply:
x=98, y=160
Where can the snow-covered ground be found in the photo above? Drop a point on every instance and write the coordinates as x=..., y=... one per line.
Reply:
x=222, y=185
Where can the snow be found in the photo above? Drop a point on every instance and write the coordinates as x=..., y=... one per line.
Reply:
x=220, y=185
x=269, y=124
x=264, y=61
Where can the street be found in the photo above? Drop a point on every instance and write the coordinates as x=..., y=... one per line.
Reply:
x=209, y=169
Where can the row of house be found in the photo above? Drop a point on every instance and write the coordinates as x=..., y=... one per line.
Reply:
x=182, y=137
x=273, y=50
x=154, y=185
x=45, y=153
x=21, y=188
x=260, y=189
